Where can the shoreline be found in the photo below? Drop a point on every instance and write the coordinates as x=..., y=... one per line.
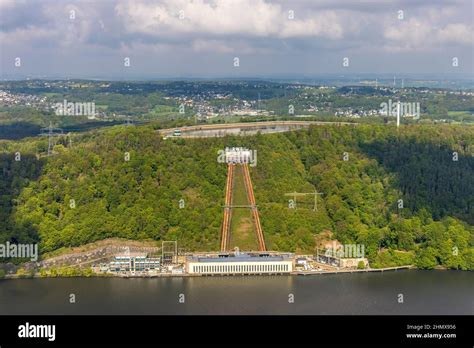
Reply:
x=294, y=273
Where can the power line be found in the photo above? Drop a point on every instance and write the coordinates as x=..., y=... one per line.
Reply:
x=299, y=194
x=51, y=132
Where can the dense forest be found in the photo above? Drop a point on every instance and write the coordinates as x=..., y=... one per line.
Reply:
x=406, y=195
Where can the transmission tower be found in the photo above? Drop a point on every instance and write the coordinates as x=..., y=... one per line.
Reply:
x=69, y=136
x=300, y=194
x=51, y=133
x=129, y=122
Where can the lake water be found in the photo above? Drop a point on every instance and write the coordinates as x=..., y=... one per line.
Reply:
x=424, y=292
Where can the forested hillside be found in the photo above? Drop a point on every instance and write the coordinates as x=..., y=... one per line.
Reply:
x=128, y=182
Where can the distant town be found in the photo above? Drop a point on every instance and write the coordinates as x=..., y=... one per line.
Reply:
x=208, y=101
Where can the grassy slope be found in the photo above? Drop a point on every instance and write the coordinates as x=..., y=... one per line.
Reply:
x=242, y=225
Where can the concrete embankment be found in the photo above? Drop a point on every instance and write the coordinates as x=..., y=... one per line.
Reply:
x=387, y=269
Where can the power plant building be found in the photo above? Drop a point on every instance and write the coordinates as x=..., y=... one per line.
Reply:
x=134, y=262
x=240, y=264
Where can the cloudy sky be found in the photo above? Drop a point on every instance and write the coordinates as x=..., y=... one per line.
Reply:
x=203, y=38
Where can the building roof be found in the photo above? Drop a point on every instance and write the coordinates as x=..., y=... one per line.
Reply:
x=240, y=258
x=131, y=254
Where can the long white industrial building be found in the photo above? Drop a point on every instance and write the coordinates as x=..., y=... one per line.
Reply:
x=239, y=264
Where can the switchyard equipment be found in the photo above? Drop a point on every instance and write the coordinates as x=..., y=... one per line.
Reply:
x=169, y=252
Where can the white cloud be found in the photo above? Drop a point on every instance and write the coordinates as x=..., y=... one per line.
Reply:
x=325, y=24
x=240, y=47
x=9, y=4
x=260, y=29
x=28, y=35
x=256, y=18
x=414, y=34
x=456, y=33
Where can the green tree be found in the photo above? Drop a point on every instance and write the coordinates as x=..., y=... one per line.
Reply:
x=426, y=259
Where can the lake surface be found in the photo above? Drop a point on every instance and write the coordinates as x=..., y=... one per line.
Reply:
x=424, y=292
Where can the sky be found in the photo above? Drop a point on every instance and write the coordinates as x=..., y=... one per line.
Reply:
x=136, y=39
